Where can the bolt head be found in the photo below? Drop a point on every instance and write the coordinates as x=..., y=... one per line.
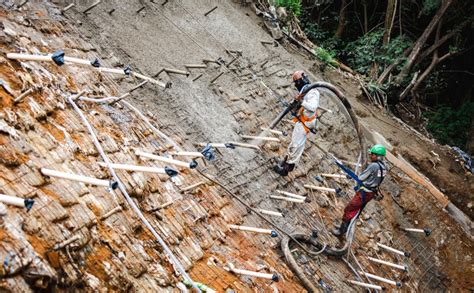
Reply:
x=193, y=164
x=427, y=232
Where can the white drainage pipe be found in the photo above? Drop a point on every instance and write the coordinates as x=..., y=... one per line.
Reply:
x=135, y=168
x=374, y=277
x=190, y=165
x=334, y=176
x=366, y=285
x=407, y=254
x=78, y=178
x=272, y=233
x=286, y=198
x=273, y=277
x=17, y=201
x=397, y=266
x=278, y=132
x=320, y=188
x=191, y=187
x=187, y=154
x=291, y=194
x=260, y=138
x=271, y=213
x=426, y=231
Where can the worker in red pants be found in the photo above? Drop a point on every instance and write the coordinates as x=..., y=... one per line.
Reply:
x=371, y=178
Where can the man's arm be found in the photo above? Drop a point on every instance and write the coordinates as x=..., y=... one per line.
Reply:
x=367, y=172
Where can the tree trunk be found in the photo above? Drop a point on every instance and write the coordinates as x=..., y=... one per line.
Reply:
x=470, y=140
x=389, y=19
x=385, y=74
x=342, y=19
x=421, y=41
x=430, y=68
x=366, y=24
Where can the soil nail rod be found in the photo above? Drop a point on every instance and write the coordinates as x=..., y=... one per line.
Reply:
x=92, y=6
x=207, y=13
x=215, y=78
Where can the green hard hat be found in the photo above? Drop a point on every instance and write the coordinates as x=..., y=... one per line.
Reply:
x=378, y=150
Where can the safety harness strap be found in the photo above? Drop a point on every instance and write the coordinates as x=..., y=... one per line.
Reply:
x=303, y=119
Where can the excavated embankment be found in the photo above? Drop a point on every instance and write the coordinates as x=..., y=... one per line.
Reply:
x=112, y=249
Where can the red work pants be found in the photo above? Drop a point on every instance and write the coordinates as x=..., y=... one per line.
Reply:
x=356, y=204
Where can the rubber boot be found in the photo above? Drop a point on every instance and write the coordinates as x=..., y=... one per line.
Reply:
x=342, y=229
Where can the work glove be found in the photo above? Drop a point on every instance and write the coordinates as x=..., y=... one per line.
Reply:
x=296, y=108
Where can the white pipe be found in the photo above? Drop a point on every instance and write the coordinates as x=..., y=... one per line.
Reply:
x=187, y=154
x=391, y=282
x=291, y=194
x=134, y=168
x=28, y=57
x=397, y=266
x=260, y=138
x=286, y=198
x=245, y=145
x=272, y=213
x=74, y=177
x=314, y=187
x=273, y=277
x=67, y=242
x=17, y=201
x=325, y=109
x=12, y=200
x=366, y=285
x=278, y=132
x=171, y=257
x=215, y=145
x=20, y=97
x=144, y=77
x=191, y=187
x=253, y=229
x=77, y=60
x=166, y=160
x=111, y=212
x=334, y=176
x=195, y=65
x=426, y=231
x=407, y=254
x=68, y=7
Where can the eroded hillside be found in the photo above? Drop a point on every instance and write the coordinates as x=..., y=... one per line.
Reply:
x=87, y=237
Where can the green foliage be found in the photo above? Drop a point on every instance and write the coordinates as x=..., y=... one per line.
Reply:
x=451, y=126
x=429, y=6
x=365, y=51
x=325, y=56
x=293, y=7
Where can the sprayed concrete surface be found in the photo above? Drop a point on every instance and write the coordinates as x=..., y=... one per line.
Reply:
x=117, y=253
